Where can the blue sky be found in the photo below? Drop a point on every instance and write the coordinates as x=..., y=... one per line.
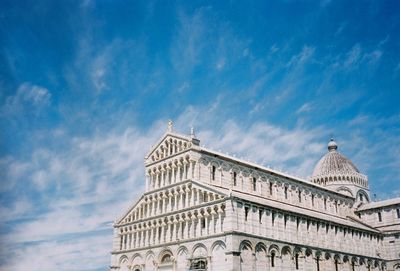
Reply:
x=86, y=87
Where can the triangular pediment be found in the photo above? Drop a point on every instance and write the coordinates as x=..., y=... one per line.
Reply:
x=170, y=144
x=138, y=210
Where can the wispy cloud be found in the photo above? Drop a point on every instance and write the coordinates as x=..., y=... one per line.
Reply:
x=84, y=175
x=29, y=97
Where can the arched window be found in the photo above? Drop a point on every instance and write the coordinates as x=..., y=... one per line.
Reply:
x=166, y=259
x=254, y=183
x=213, y=169
x=234, y=178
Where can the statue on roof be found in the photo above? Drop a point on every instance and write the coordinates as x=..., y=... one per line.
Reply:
x=170, y=125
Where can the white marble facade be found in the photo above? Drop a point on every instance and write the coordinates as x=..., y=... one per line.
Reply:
x=204, y=210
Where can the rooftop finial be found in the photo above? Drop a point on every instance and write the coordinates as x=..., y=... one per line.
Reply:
x=170, y=125
x=332, y=145
x=192, y=135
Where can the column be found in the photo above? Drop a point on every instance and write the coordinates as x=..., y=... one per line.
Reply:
x=184, y=170
x=220, y=225
x=191, y=169
x=179, y=171
x=199, y=229
x=198, y=196
x=192, y=227
x=173, y=173
x=155, y=203
x=206, y=229
x=187, y=190
x=192, y=196
x=176, y=201
x=163, y=235
x=170, y=201
x=168, y=235
x=212, y=221
x=167, y=175
x=123, y=242
x=164, y=202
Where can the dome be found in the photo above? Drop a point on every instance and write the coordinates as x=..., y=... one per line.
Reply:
x=334, y=163
x=338, y=173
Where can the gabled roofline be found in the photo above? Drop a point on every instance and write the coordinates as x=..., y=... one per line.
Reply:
x=166, y=134
x=202, y=185
x=132, y=206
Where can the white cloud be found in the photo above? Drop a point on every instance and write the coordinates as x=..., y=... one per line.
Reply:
x=96, y=178
x=306, y=107
x=353, y=57
x=27, y=97
x=189, y=41
x=300, y=59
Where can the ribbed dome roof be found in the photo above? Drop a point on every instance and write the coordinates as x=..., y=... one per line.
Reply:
x=334, y=163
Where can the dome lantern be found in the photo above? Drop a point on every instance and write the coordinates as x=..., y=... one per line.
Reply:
x=332, y=145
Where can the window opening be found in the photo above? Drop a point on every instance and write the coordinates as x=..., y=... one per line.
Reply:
x=203, y=223
x=299, y=195
x=260, y=212
x=336, y=265
x=234, y=178
x=273, y=218
x=272, y=259
x=246, y=213
x=254, y=183
x=312, y=200
x=398, y=213
x=213, y=169
x=286, y=195
x=380, y=216
x=198, y=265
x=297, y=261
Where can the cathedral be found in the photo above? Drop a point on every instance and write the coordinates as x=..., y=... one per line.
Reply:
x=205, y=210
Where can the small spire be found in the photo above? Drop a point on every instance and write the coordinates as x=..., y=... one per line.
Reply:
x=170, y=125
x=332, y=145
x=192, y=134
